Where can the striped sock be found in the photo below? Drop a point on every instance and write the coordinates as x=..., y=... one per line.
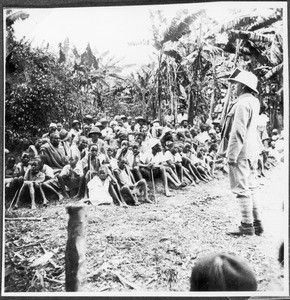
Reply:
x=256, y=210
x=246, y=207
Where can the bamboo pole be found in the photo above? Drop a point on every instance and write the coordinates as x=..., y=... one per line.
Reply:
x=75, y=253
x=228, y=95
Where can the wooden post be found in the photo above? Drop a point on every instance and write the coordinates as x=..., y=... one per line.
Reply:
x=75, y=253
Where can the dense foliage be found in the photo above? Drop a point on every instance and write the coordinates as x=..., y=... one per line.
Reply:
x=193, y=56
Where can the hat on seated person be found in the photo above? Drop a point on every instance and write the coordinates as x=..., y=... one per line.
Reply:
x=113, y=123
x=95, y=130
x=52, y=125
x=98, y=124
x=222, y=272
x=75, y=122
x=139, y=118
x=123, y=117
x=104, y=120
x=88, y=118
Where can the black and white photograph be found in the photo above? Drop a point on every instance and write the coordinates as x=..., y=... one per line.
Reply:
x=145, y=149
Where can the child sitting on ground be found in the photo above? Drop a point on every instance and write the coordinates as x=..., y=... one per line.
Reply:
x=72, y=178
x=32, y=180
x=128, y=187
x=101, y=190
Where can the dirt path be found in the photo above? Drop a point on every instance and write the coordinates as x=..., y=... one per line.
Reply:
x=153, y=247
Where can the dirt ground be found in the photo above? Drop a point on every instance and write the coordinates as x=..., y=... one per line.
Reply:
x=151, y=247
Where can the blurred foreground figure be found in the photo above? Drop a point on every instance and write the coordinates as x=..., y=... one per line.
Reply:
x=222, y=272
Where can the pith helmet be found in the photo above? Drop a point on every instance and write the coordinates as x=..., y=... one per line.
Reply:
x=245, y=77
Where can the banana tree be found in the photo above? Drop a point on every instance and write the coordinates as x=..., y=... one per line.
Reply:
x=142, y=88
x=96, y=77
x=261, y=46
x=165, y=35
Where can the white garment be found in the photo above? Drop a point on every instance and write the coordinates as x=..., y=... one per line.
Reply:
x=99, y=191
x=107, y=132
x=148, y=157
x=181, y=117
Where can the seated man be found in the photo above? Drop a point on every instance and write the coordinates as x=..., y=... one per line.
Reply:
x=95, y=138
x=80, y=148
x=152, y=162
x=128, y=188
x=134, y=167
x=72, y=177
x=53, y=153
x=51, y=182
x=18, y=176
x=173, y=164
x=10, y=183
x=52, y=128
x=191, y=162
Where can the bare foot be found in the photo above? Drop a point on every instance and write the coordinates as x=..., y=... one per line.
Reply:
x=147, y=200
x=168, y=194
x=33, y=206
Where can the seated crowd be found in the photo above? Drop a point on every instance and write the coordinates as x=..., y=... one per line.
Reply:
x=107, y=162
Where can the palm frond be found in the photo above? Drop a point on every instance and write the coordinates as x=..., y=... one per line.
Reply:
x=174, y=54
x=251, y=49
x=249, y=35
x=238, y=21
x=266, y=21
x=276, y=50
x=178, y=27
x=156, y=29
x=212, y=49
x=274, y=71
x=10, y=19
x=116, y=76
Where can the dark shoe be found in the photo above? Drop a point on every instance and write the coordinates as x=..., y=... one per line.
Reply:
x=258, y=227
x=244, y=229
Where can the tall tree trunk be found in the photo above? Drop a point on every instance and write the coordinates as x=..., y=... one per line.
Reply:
x=213, y=91
x=191, y=108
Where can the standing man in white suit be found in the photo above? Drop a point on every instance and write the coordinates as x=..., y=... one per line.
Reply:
x=241, y=147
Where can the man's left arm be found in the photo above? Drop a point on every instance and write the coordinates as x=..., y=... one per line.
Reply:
x=238, y=131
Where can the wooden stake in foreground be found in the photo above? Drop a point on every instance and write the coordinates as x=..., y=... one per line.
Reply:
x=75, y=253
